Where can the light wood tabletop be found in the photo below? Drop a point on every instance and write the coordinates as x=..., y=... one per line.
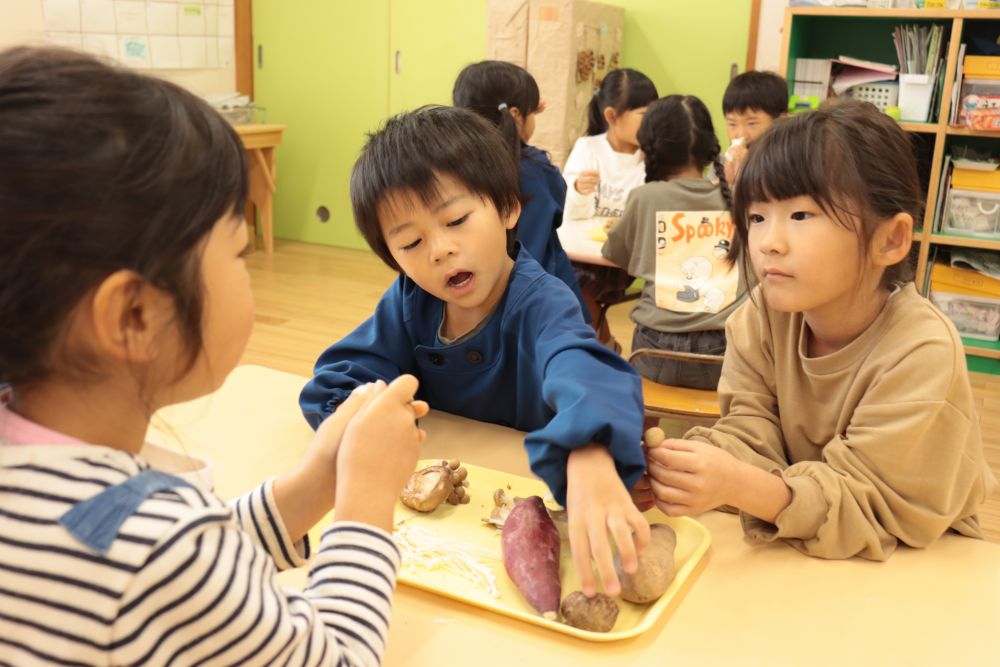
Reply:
x=750, y=604
x=579, y=240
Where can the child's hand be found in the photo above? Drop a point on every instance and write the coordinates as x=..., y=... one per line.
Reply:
x=378, y=453
x=597, y=502
x=690, y=477
x=734, y=158
x=587, y=181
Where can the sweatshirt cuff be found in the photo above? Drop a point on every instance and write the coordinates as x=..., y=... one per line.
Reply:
x=800, y=520
x=288, y=554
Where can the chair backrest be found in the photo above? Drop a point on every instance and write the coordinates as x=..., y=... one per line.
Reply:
x=660, y=400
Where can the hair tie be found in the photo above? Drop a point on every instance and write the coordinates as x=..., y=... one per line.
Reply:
x=502, y=107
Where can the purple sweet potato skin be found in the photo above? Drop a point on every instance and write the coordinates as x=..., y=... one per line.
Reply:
x=530, y=543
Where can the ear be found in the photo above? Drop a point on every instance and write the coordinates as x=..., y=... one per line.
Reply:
x=511, y=221
x=128, y=315
x=892, y=240
x=516, y=113
x=610, y=116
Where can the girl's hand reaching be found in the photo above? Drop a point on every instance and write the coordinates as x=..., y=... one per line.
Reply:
x=379, y=452
x=598, y=503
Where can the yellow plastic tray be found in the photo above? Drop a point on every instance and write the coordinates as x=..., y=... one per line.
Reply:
x=464, y=523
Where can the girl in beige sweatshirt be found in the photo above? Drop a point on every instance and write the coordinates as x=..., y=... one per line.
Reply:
x=848, y=423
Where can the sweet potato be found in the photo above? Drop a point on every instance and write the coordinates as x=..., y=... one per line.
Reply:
x=530, y=544
x=596, y=614
x=656, y=567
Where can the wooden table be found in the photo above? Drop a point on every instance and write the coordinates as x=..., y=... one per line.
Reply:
x=750, y=605
x=260, y=142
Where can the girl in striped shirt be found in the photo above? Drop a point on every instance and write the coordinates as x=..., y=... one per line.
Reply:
x=122, y=290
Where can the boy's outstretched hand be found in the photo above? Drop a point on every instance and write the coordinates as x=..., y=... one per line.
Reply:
x=598, y=503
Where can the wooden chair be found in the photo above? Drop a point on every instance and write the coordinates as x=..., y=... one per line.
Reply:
x=660, y=400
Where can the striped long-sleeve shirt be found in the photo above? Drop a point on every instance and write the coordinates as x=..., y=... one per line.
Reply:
x=188, y=580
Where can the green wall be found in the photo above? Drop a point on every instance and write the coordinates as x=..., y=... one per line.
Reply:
x=329, y=75
x=687, y=47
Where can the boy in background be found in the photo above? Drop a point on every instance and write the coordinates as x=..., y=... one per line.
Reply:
x=751, y=103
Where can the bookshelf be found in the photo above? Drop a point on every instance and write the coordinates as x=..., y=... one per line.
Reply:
x=828, y=32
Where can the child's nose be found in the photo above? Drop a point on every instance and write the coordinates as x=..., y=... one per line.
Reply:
x=441, y=247
x=772, y=240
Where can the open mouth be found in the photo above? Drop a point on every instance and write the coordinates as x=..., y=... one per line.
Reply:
x=460, y=279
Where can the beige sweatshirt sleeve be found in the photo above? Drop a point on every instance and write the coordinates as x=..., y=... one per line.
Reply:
x=906, y=468
x=750, y=428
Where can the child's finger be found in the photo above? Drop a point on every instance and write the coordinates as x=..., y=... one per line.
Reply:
x=641, y=533
x=579, y=546
x=672, y=458
x=600, y=551
x=402, y=389
x=420, y=408
x=670, y=494
x=673, y=509
x=622, y=534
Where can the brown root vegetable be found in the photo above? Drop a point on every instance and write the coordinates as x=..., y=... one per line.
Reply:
x=530, y=544
x=433, y=485
x=596, y=614
x=656, y=567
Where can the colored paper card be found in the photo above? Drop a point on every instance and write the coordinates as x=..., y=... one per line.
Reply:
x=191, y=19
x=133, y=50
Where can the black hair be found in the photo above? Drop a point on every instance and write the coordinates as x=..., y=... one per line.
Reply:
x=756, y=91
x=851, y=159
x=413, y=149
x=101, y=169
x=677, y=132
x=622, y=90
x=493, y=88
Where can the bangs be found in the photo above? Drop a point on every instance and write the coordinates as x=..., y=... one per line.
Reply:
x=797, y=158
x=413, y=149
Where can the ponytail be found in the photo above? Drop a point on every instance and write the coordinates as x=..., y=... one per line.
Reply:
x=727, y=192
x=596, y=122
x=493, y=89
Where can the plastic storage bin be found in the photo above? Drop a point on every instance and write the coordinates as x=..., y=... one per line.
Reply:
x=972, y=212
x=880, y=93
x=973, y=316
x=915, y=97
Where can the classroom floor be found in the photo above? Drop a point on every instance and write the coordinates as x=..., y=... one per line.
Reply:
x=309, y=296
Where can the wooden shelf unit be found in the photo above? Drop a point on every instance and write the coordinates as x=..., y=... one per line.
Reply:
x=818, y=32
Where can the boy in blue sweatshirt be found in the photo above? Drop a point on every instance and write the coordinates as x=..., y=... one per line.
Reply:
x=489, y=334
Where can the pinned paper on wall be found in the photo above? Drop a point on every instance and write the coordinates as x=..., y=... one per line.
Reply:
x=146, y=34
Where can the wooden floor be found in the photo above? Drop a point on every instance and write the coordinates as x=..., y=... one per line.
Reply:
x=309, y=296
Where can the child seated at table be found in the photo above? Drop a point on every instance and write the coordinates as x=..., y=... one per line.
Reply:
x=123, y=289
x=691, y=283
x=603, y=167
x=848, y=422
x=489, y=333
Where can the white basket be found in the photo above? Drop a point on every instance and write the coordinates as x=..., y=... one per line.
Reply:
x=880, y=93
